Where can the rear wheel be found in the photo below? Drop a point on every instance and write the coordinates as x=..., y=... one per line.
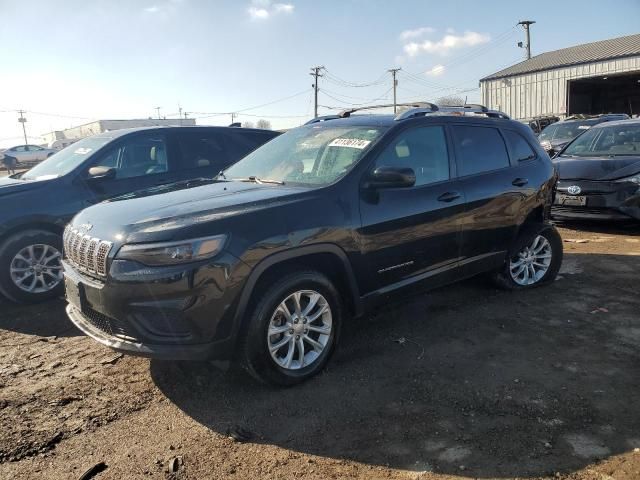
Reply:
x=534, y=259
x=293, y=329
x=30, y=266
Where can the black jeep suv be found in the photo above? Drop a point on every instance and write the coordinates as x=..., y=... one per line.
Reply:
x=36, y=205
x=318, y=225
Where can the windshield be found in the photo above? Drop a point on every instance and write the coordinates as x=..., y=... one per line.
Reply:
x=613, y=140
x=314, y=155
x=66, y=159
x=564, y=131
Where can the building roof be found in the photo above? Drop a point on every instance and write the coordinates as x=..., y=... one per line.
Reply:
x=585, y=53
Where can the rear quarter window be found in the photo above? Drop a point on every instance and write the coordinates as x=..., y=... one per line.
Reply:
x=520, y=149
x=479, y=149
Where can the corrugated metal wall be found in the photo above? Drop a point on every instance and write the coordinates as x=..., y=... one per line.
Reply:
x=545, y=93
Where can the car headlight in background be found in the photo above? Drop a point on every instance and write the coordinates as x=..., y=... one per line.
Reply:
x=173, y=253
x=633, y=179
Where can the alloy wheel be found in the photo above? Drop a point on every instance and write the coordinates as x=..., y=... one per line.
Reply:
x=36, y=268
x=299, y=330
x=532, y=262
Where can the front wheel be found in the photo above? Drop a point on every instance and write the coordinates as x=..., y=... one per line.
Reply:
x=293, y=329
x=30, y=266
x=534, y=259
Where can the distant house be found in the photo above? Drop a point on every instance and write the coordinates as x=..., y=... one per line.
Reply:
x=62, y=138
x=593, y=78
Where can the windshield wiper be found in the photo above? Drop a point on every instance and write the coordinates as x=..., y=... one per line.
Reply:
x=258, y=180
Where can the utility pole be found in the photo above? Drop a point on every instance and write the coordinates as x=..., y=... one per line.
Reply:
x=180, y=113
x=233, y=117
x=526, y=25
x=23, y=120
x=157, y=109
x=394, y=71
x=315, y=73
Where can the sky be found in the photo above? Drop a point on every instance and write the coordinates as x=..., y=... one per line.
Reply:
x=68, y=62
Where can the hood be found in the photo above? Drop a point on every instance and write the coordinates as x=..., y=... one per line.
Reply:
x=141, y=215
x=596, y=168
x=12, y=185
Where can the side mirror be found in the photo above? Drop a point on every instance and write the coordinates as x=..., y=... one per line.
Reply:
x=101, y=173
x=391, y=177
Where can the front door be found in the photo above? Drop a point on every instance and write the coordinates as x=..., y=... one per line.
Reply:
x=413, y=233
x=140, y=161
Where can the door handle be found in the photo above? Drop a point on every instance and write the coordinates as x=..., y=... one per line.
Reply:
x=448, y=197
x=519, y=182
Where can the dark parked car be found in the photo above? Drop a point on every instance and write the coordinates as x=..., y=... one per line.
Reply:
x=35, y=206
x=538, y=124
x=554, y=137
x=600, y=174
x=320, y=224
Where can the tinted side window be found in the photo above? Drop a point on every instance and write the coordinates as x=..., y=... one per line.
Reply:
x=423, y=149
x=241, y=144
x=217, y=150
x=520, y=149
x=479, y=149
x=203, y=150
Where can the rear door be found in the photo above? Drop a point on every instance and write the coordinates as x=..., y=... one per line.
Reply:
x=413, y=233
x=205, y=152
x=493, y=195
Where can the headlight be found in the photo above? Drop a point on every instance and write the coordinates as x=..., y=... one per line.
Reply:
x=633, y=179
x=173, y=253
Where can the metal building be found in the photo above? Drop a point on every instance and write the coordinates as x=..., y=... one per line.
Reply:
x=598, y=77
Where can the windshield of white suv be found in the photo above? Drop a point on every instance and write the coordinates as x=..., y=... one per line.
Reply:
x=66, y=159
x=314, y=156
x=565, y=131
x=612, y=140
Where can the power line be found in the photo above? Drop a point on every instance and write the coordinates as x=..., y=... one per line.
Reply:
x=347, y=83
x=383, y=96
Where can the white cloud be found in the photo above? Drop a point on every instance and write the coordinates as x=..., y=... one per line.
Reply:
x=283, y=8
x=418, y=32
x=436, y=71
x=152, y=9
x=258, y=13
x=263, y=9
x=446, y=44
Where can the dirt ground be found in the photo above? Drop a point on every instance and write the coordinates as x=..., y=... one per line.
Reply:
x=464, y=382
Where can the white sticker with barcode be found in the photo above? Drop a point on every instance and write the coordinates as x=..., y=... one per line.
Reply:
x=350, y=143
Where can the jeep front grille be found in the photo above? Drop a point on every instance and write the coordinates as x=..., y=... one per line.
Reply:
x=85, y=252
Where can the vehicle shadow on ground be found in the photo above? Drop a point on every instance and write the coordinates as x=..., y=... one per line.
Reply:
x=46, y=319
x=465, y=380
x=607, y=228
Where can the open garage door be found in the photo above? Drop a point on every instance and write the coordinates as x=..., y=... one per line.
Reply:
x=606, y=94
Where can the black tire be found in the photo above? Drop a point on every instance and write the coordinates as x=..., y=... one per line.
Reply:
x=254, y=352
x=503, y=277
x=8, y=250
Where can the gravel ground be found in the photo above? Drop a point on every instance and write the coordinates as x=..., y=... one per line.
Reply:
x=464, y=382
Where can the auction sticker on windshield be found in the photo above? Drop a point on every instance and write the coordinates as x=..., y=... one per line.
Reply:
x=350, y=143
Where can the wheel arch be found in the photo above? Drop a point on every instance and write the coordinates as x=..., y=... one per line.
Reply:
x=328, y=259
x=32, y=225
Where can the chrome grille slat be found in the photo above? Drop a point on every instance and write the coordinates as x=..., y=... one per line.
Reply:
x=86, y=253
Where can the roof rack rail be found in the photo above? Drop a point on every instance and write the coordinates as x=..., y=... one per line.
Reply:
x=418, y=111
x=347, y=113
x=323, y=119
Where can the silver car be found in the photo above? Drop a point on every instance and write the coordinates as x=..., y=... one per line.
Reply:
x=27, y=153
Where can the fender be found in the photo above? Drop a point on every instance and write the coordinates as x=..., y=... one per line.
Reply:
x=290, y=254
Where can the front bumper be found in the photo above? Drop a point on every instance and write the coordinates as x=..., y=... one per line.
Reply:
x=605, y=200
x=173, y=313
